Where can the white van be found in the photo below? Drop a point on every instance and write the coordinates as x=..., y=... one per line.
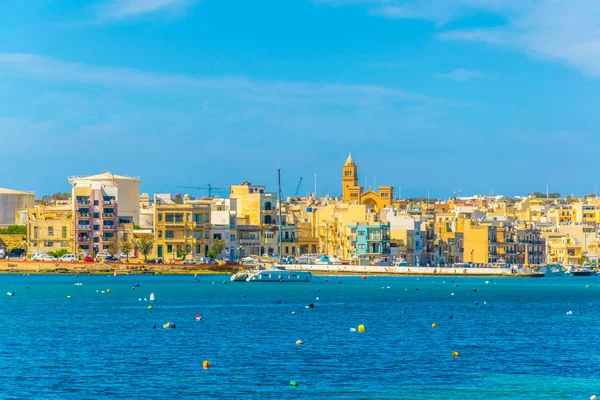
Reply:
x=68, y=258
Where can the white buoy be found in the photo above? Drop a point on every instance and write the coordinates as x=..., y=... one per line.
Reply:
x=151, y=296
x=569, y=312
x=593, y=397
x=451, y=294
x=352, y=329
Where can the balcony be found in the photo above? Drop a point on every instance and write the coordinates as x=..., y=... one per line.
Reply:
x=108, y=215
x=84, y=202
x=108, y=202
x=83, y=227
x=174, y=223
x=83, y=239
x=84, y=214
x=255, y=241
x=108, y=227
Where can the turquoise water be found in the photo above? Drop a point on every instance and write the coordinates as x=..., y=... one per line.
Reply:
x=516, y=343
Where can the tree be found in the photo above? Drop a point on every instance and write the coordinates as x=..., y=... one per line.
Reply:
x=144, y=246
x=58, y=253
x=216, y=248
x=14, y=230
x=113, y=246
x=183, y=251
x=126, y=249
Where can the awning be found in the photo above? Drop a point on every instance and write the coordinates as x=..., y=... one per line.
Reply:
x=83, y=191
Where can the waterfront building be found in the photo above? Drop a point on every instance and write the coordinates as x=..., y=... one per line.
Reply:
x=223, y=218
x=49, y=229
x=182, y=228
x=371, y=241
x=12, y=202
x=563, y=249
x=405, y=234
x=146, y=211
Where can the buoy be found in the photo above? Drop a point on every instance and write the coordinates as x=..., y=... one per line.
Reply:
x=167, y=325
x=433, y=326
x=476, y=303
x=293, y=383
x=475, y=290
x=299, y=342
x=451, y=317
x=206, y=364
x=244, y=296
x=352, y=329
x=361, y=328
x=364, y=277
x=586, y=286
x=455, y=354
x=10, y=293
x=149, y=307
x=593, y=397
x=293, y=312
x=154, y=326
x=569, y=312
x=107, y=290
x=451, y=294
x=68, y=297
x=198, y=317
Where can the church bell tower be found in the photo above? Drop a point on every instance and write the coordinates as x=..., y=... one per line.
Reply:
x=349, y=178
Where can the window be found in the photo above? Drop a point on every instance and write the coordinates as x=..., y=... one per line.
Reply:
x=126, y=237
x=187, y=217
x=50, y=231
x=197, y=218
x=205, y=234
x=49, y=244
x=96, y=239
x=287, y=250
x=178, y=217
x=96, y=215
x=169, y=248
x=198, y=235
x=197, y=249
x=159, y=233
x=217, y=236
x=160, y=217
x=232, y=238
x=64, y=232
x=95, y=202
x=170, y=235
x=35, y=232
x=187, y=233
x=361, y=246
x=361, y=233
x=64, y=244
x=96, y=227
x=169, y=218
x=207, y=217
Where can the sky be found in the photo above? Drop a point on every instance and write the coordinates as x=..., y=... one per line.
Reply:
x=428, y=95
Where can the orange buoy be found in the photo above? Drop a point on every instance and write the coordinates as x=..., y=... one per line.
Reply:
x=433, y=326
x=364, y=277
x=206, y=364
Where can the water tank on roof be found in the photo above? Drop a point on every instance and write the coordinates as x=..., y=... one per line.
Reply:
x=308, y=209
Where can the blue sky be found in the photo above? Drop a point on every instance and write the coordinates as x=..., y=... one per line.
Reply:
x=427, y=94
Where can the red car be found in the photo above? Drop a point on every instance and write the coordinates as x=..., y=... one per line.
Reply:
x=89, y=259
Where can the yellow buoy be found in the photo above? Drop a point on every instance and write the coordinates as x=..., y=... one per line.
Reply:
x=167, y=325
x=107, y=290
x=455, y=354
x=361, y=328
x=433, y=326
x=299, y=342
x=586, y=286
x=68, y=297
x=206, y=364
x=149, y=307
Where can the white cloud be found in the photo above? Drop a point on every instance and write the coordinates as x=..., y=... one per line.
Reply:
x=462, y=75
x=116, y=9
x=53, y=70
x=567, y=31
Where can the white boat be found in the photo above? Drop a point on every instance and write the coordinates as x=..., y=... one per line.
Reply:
x=240, y=276
x=552, y=270
x=278, y=273
x=151, y=296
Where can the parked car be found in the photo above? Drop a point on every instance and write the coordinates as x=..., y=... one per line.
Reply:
x=49, y=258
x=188, y=262
x=103, y=254
x=88, y=259
x=69, y=258
x=38, y=256
x=111, y=259
x=155, y=261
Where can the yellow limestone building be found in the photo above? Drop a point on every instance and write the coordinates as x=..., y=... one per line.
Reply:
x=353, y=193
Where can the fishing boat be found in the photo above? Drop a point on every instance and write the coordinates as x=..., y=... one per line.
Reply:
x=240, y=276
x=552, y=270
x=582, y=272
x=278, y=272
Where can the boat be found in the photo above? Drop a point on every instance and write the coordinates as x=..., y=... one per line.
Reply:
x=278, y=272
x=151, y=296
x=582, y=272
x=552, y=270
x=240, y=276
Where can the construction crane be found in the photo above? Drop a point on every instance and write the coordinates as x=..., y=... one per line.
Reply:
x=210, y=188
x=298, y=187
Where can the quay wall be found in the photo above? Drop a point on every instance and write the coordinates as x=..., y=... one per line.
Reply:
x=32, y=267
x=442, y=271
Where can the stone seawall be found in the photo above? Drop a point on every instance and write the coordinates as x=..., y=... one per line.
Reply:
x=32, y=267
x=442, y=271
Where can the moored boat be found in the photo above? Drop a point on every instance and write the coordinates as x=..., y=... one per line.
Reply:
x=582, y=272
x=278, y=273
x=240, y=276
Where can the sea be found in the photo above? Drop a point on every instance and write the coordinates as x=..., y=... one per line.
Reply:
x=515, y=338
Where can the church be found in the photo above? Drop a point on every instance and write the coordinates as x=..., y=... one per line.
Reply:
x=354, y=194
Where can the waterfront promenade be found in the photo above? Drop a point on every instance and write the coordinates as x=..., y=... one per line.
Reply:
x=144, y=268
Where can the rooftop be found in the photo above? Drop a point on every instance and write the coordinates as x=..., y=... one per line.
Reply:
x=11, y=191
